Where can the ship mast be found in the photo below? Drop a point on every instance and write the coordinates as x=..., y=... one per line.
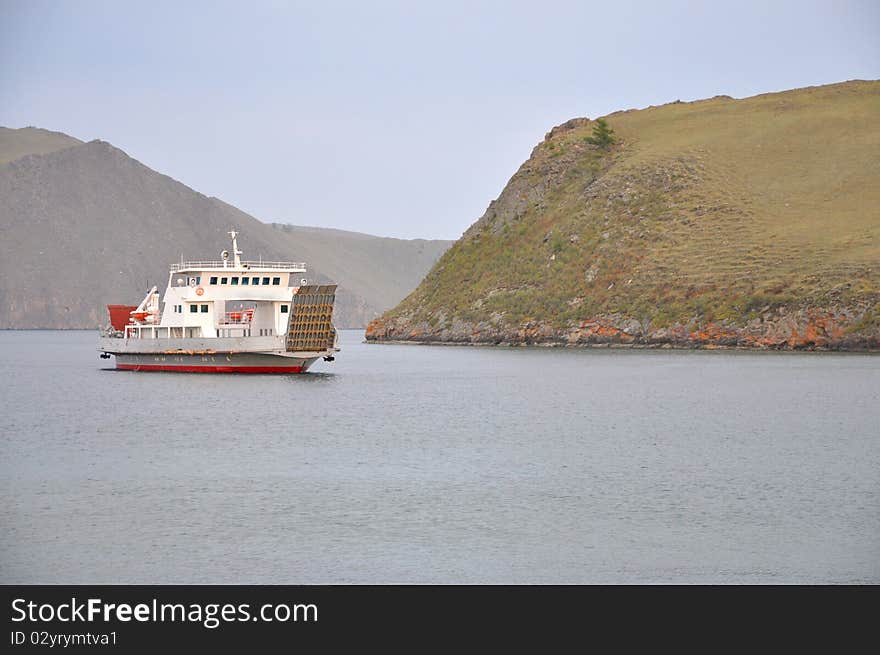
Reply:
x=236, y=253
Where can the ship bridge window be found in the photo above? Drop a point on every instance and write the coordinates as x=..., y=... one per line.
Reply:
x=235, y=281
x=224, y=280
x=193, y=309
x=283, y=309
x=204, y=309
x=276, y=280
x=245, y=280
x=265, y=280
x=256, y=280
x=213, y=280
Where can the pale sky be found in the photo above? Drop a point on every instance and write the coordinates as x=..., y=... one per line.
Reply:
x=392, y=118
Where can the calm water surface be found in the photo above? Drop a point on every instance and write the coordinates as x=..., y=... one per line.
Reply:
x=432, y=464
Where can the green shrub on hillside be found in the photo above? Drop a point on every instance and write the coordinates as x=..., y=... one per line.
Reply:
x=603, y=135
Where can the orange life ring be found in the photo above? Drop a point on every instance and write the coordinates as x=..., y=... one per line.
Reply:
x=200, y=291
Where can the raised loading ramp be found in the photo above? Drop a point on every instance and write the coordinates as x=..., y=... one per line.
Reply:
x=310, y=327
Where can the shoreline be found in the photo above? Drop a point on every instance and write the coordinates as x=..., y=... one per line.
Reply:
x=629, y=346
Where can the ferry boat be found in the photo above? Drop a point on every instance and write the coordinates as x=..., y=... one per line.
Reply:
x=226, y=317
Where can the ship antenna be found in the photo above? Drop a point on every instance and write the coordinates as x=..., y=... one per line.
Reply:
x=236, y=253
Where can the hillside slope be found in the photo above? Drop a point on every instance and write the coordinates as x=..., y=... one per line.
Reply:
x=16, y=143
x=382, y=269
x=88, y=225
x=721, y=222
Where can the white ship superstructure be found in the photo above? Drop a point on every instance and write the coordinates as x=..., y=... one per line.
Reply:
x=226, y=316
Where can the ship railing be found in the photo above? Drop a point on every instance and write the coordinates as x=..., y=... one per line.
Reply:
x=202, y=264
x=148, y=331
x=137, y=327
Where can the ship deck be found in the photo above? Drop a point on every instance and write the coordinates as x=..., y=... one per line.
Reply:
x=274, y=345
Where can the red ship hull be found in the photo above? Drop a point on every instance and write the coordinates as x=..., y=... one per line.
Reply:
x=215, y=363
x=209, y=369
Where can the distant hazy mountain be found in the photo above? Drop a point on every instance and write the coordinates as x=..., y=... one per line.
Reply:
x=84, y=224
x=15, y=144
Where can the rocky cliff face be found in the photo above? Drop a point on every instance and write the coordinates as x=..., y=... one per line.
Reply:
x=722, y=223
x=810, y=329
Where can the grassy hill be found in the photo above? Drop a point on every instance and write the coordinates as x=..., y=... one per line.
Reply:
x=752, y=222
x=85, y=225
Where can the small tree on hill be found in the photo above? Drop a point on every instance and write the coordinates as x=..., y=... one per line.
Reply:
x=603, y=136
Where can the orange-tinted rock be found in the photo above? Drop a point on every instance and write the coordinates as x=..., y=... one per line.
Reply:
x=781, y=330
